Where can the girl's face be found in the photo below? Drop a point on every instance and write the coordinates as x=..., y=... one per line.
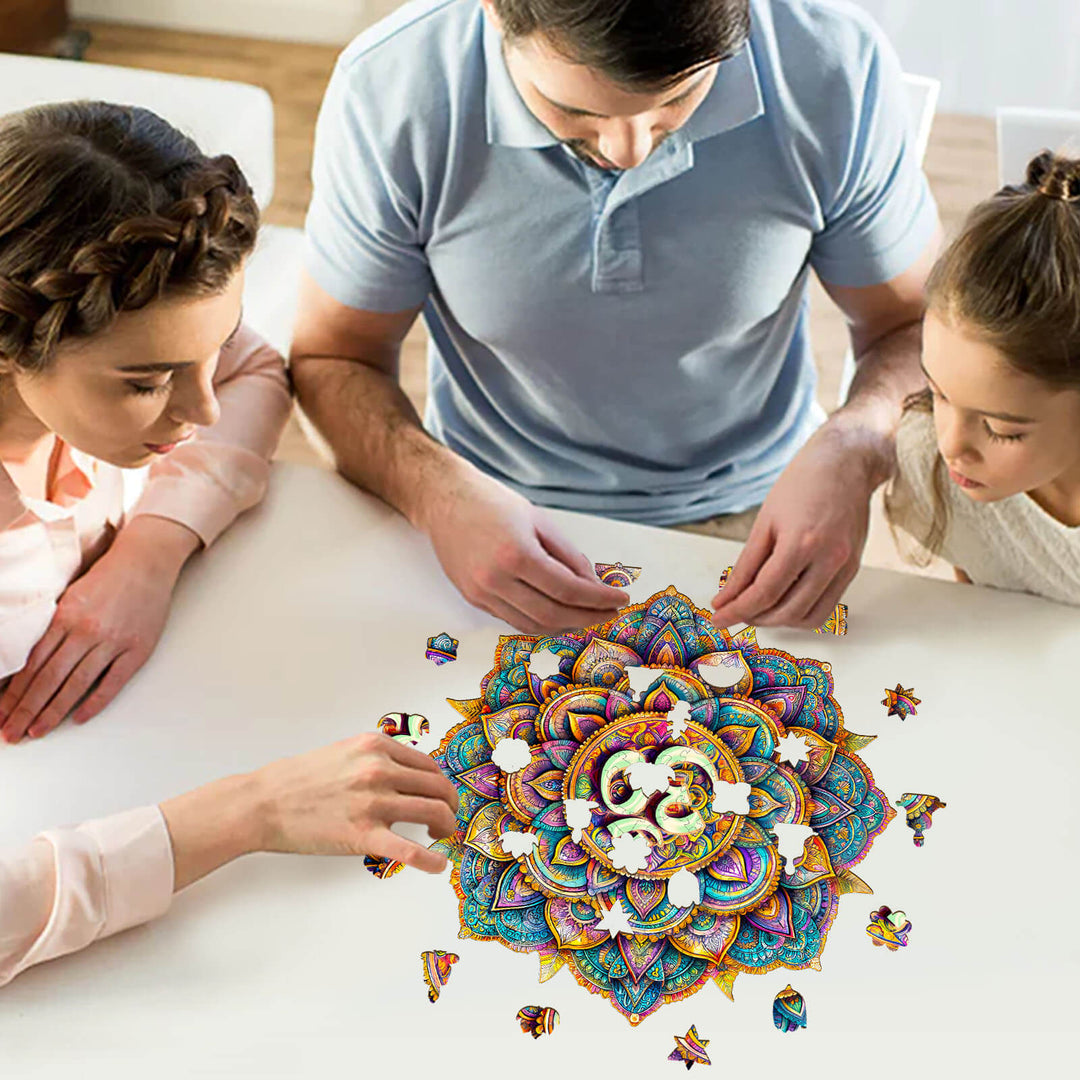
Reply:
x=136, y=391
x=999, y=431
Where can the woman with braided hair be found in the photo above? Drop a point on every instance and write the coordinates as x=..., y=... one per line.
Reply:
x=989, y=452
x=121, y=346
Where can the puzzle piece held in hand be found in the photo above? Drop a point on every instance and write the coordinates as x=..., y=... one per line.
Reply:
x=889, y=928
x=537, y=1020
x=617, y=575
x=442, y=649
x=407, y=728
x=901, y=702
x=789, y=1010
x=836, y=623
x=690, y=1049
x=919, y=810
x=380, y=867
x=437, y=970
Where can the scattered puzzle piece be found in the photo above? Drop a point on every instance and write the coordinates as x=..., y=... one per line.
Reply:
x=442, y=649
x=407, y=728
x=537, y=1020
x=724, y=575
x=919, y=810
x=690, y=1049
x=437, y=970
x=617, y=574
x=789, y=1010
x=382, y=868
x=889, y=928
x=901, y=702
x=836, y=623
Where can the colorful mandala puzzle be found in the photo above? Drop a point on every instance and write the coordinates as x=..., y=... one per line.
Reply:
x=537, y=1020
x=437, y=970
x=441, y=649
x=789, y=1010
x=382, y=868
x=901, y=702
x=646, y=883
x=889, y=928
x=920, y=811
x=616, y=574
x=408, y=728
x=690, y=1049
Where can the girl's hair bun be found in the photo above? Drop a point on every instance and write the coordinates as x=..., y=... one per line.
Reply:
x=1055, y=176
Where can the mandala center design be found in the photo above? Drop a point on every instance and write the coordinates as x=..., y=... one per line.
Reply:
x=662, y=790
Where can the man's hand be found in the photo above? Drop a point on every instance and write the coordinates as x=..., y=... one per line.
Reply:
x=805, y=546
x=506, y=556
x=106, y=625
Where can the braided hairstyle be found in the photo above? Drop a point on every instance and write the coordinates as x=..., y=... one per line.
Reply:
x=1012, y=277
x=103, y=209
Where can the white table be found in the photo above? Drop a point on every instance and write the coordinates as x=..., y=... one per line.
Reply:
x=308, y=621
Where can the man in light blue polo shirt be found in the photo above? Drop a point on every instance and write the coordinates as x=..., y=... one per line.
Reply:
x=608, y=215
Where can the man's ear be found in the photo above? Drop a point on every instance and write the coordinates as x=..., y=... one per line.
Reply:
x=492, y=14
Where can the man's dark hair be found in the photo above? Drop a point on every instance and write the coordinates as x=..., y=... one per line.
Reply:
x=636, y=43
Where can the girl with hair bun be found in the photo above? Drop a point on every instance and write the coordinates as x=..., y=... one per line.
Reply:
x=989, y=453
x=122, y=249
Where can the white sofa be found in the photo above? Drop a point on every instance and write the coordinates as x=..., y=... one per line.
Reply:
x=222, y=117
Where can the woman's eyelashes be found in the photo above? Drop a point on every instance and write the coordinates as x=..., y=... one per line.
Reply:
x=149, y=388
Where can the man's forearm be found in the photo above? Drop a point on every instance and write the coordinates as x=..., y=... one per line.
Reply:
x=886, y=372
x=378, y=440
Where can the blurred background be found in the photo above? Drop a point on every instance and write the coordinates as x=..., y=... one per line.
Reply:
x=985, y=54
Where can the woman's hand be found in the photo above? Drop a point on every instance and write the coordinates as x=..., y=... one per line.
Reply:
x=339, y=800
x=106, y=625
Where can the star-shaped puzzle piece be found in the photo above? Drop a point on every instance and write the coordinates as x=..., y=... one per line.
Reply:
x=690, y=1049
x=900, y=702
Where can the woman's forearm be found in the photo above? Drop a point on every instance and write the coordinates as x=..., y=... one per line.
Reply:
x=213, y=825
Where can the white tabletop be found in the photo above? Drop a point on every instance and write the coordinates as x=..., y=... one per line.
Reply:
x=307, y=622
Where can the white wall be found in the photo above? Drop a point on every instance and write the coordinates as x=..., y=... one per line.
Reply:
x=986, y=52
x=989, y=52
x=331, y=22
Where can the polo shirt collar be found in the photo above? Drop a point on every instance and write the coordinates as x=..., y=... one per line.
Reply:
x=734, y=99
x=509, y=120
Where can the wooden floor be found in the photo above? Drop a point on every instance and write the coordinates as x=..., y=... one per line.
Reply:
x=961, y=165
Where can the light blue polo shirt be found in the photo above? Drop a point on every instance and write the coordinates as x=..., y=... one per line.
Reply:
x=631, y=344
